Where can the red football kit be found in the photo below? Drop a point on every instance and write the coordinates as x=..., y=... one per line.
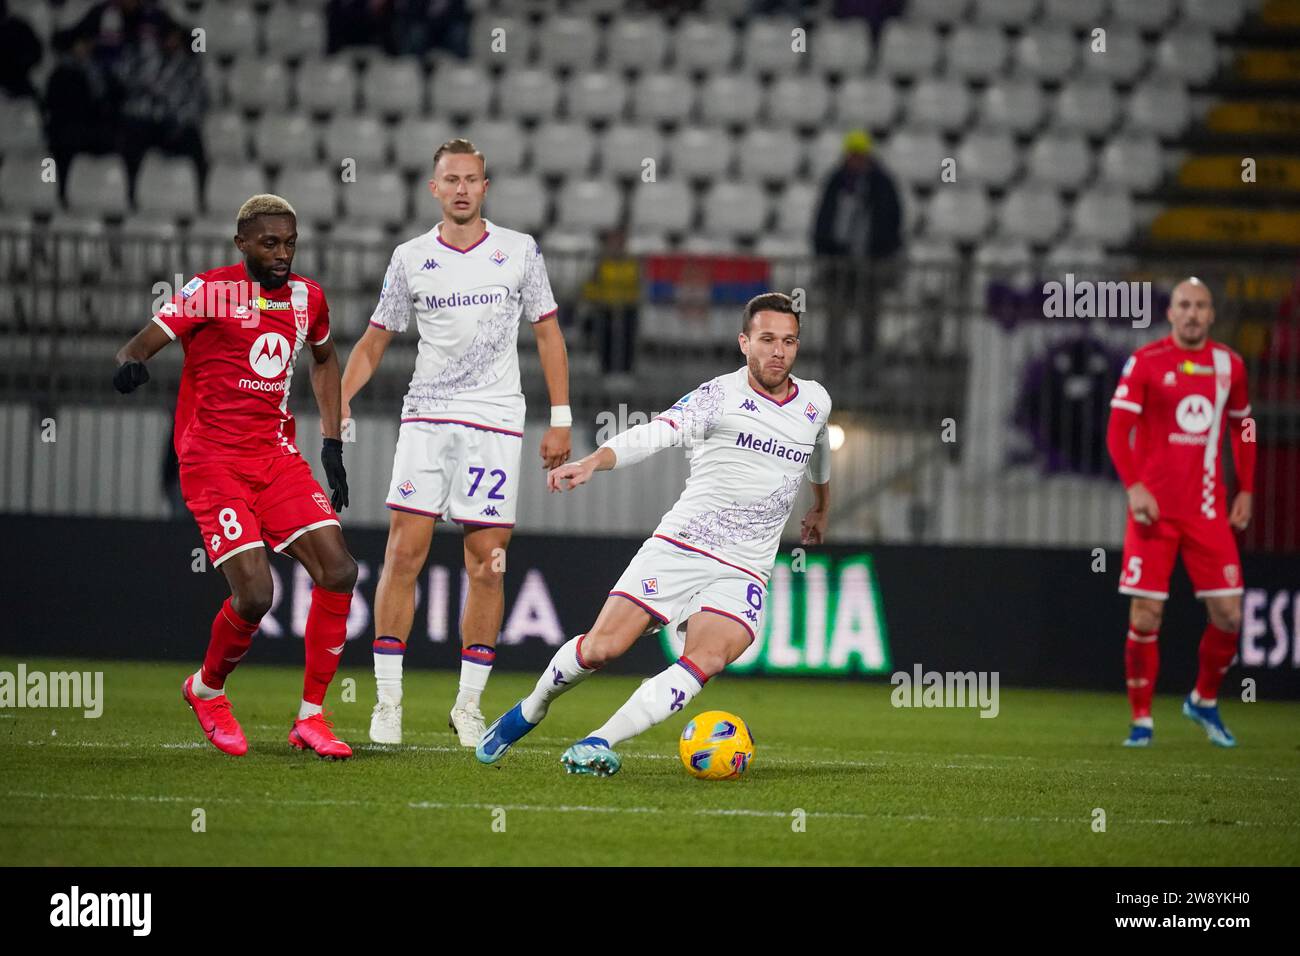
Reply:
x=240, y=472
x=1177, y=402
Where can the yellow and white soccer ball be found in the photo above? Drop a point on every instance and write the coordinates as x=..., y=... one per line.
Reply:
x=716, y=745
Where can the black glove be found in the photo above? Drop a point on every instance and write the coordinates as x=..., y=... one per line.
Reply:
x=331, y=456
x=130, y=376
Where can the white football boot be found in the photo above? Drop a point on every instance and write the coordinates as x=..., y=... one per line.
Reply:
x=468, y=723
x=386, y=723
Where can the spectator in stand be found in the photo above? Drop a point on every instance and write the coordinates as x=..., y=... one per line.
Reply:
x=401, y=27
x=875, y=12
x=20, y=51
x=80, y=109
x=612, y=296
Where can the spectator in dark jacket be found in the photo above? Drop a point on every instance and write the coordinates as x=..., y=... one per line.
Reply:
x=20, y=51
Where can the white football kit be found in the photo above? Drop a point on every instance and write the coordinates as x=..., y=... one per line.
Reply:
x=714, y=550
x=459, y=445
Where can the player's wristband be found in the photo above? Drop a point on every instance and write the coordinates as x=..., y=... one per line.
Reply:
x=561, y=416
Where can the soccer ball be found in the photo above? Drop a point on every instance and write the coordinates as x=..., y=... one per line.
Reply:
x=716, y=745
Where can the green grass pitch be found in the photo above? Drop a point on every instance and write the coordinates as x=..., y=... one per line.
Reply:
x=878, y=785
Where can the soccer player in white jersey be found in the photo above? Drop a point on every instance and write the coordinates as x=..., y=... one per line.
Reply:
x=466, y=283
x=752, y=435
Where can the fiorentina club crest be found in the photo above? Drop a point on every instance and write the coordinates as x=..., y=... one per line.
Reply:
x=650, y=586
x=320, y=499
x=406, y=489
x=499, y=257
x=810, y=412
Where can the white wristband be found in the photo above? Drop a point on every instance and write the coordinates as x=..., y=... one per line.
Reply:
x=561, y=417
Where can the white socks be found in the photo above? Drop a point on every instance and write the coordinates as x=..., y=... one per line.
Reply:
x=654, y=701
x=1198, y=700
x=201, y=690
x=475, y=669
x=564, y=671
x=388, y=668
x=307, y=709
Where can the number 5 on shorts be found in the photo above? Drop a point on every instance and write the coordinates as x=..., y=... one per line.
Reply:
x=1134, y=573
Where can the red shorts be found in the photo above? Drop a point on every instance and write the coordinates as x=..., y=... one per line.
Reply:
x=1209, y=554
x=244, y=504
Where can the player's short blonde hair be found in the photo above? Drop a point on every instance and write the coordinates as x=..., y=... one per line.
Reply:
x=263, y=204
x=461, y=146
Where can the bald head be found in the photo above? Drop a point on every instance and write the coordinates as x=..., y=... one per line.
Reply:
x=1191, y=313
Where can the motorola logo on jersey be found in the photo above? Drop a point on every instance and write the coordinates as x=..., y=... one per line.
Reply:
x=483, y=295
x=1195, y=414
x=269, y=355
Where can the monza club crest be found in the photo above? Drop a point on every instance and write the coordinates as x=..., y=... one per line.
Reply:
x=320, y=499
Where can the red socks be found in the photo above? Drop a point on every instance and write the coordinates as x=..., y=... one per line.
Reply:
x=327, y=633
x=231, y=637
x=1218, y=648
x=1141, y=662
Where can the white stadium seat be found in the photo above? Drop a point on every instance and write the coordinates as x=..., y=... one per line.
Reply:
x=1124, y=58
x=562, y=149
x=294, y=32
x=1075, y=13
x=498, y=39
x=769, y=156
x=936, y=11
x=976, y=52
x=228, y=185
x=701, y=45
x=698, y=152
x=1133, y=162
x=253, y=79
x=840, y=47
x=734, y=210
x=1011, y=13
x=1047, y=53
x=1221, y=16
x=1104, y=216
x=1002, y=254
x=908, y=49
x=662, y=206
x=167, y=187
x=870, y=101
x=624, y=148
x=958, y=213
x=1031, y=213
x=284, y=139
x=795, y=209
x=229, y=29
x=357, y=136
x=1189, y=53
x=518, y=202
x=21, y=121
x=636, y=43
x=730, y=99
x=1012, y=104
x=988, y=157
x=647, y=244
x=415, y=141
x=1147, y=15
x=916, y=156
x=23, y=188
x=767, y=47
x=461, y=90
x=312, y=191
x=528, y=94
x=799, y=101
x=1087, y=105
x=1060, y=159
x=502, y=144
x=1074, y=254
x=327, y=85
x=600, y=97
x=1160, y=106
x=825, y=151
x=593, y=205
x=378, y=198
x=97, y=186
x=663, y=97
x=572, y=42
x=393, y=86
x=938, y=103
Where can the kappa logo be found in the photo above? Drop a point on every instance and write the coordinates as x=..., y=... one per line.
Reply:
x=650, y=586
x=269, y=355
x=320, y=499
x=748, y=405
x=810, y=412
x=429, y=264
x=491, y=512
x=752, y=615
x=406, y=489
x=1195, y=414
x=499, y=257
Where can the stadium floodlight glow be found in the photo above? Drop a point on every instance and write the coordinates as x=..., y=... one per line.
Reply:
x=836, y=435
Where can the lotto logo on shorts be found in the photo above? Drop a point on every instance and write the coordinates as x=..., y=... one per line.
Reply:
x=321, y=500
x=650, y=586
x=499, y=257
x=216, y=542
x=406, y=489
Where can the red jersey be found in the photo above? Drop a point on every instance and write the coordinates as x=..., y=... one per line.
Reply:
x=241, y=342
x=1181, y=397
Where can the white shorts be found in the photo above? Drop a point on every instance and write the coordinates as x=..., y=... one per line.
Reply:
x=467, y=473
x=673, y=583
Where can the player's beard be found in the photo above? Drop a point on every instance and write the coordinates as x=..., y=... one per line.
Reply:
x=771, y=380
x=268, y=280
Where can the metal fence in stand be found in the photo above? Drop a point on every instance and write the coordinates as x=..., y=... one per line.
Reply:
x=968, y=410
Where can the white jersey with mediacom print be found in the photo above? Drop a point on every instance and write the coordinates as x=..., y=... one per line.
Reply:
x=748, y=457
x=467, y=304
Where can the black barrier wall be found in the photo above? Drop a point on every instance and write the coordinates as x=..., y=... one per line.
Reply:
x=1040, y=618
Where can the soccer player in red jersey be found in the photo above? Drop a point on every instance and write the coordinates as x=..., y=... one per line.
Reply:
x=242, y=327
x=1174, y=399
